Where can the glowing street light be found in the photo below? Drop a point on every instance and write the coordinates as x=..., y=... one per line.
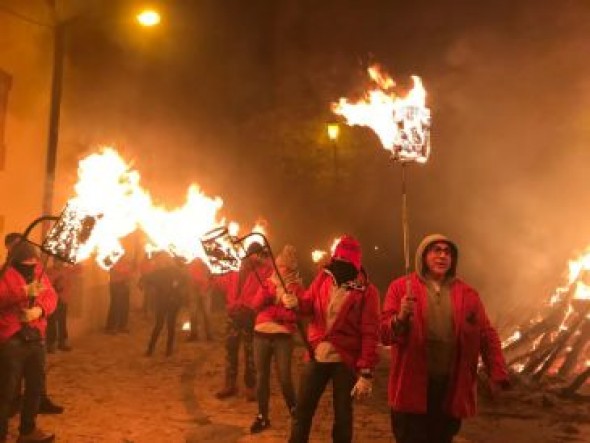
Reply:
x=333, y=131
x=148, y=18
x=333, y=134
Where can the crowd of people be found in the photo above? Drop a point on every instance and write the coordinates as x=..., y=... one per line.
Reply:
x=434, y=324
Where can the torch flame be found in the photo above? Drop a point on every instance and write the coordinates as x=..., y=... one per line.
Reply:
x=109, y=190
x=401, y=123
x=317, y=255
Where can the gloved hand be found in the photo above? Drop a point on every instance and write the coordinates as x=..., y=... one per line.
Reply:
x=362, y=389
x=289, y=300
x=31, y=314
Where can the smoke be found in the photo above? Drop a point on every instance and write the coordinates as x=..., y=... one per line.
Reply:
x=235, y=98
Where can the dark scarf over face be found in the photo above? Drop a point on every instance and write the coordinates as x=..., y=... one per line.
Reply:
x=342, y=271
x=26, y=270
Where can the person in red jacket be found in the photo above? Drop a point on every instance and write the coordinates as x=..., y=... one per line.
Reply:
x=61, y=276
x=437, y=330
x=26, y=300
x=273, y=334
x=240, y=287
x=46, y=406
x=343, y=308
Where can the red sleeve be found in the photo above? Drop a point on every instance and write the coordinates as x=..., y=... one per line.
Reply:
x=491, y=348
x=369, y=330
x=263, y=295
x=391, y=307
x=306, y=297
x=10, y=293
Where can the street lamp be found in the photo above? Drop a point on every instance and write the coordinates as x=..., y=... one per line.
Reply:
x=333, y=133
x=149, y=17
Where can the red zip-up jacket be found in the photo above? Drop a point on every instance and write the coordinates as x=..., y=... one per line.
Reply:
x=14, y=298
x=408, y=377
x=237, y=297
x=355, y=332
x=271, y=310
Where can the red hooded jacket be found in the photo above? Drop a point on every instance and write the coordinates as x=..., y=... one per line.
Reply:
x=239, y=293
x=475, y=336
x=269, y=310
x=355, y=332
x=14, y=298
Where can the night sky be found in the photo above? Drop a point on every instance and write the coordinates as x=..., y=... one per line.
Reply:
x=234, y=95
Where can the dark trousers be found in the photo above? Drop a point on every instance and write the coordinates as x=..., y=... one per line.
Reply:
x=202, y=308
x=166, y=311
x=119, y=307
x=57, y=328
x=281, y=346
x=19, y=359
x=239, y=327
x=435, y=426
x=314, y=380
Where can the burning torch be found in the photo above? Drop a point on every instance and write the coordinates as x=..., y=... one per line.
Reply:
x=68, y=233
x=225, y=252
x=403, y=127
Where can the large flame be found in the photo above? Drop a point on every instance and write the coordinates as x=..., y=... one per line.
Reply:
x=579, y=275
x=109, y=190
x=401, y=123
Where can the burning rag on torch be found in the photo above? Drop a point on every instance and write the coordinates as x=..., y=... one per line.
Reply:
x=289, y=269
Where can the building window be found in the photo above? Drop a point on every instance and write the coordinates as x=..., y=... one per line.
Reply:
x=5, y=83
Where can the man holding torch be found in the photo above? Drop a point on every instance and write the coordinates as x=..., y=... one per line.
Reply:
x=437, y=328
x=240, y=287
x=26, y=300
x=343, y=307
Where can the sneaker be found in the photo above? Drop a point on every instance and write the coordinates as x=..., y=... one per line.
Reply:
x=36, y=435
x=228, y=391
x=47, y=407
x=260, y=424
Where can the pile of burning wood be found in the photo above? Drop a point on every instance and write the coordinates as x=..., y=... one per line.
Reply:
x=556, y=345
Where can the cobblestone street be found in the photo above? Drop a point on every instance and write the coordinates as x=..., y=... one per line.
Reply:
x=113, y=394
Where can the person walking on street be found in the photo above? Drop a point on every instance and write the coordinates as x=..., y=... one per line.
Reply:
x=120, y=290
x=200, y=299
x=343, y=308
x=240, y=287
x=273, y=335
x=26, y=300
x=60, y=274
x=437, y=332
x=169, y=284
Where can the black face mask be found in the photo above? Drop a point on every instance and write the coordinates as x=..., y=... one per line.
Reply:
x=342, y=271
x=26, y=270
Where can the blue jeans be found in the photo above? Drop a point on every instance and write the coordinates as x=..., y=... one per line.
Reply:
x=281, y=346
x=314, y=380
x=20, y=359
